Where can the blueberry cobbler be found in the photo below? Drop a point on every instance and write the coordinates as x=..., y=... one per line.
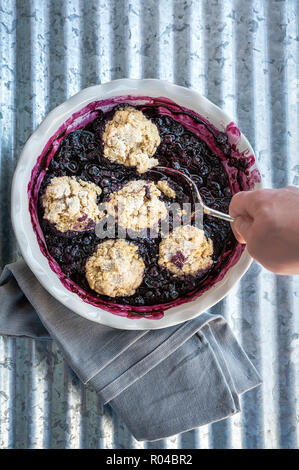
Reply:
x=98, y=170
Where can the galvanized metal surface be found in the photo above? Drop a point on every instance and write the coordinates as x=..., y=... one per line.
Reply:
x=244, y=56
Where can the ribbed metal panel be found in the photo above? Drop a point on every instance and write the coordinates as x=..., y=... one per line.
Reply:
x=244, y=56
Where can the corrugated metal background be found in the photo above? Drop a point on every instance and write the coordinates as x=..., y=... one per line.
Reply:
x=244, y=56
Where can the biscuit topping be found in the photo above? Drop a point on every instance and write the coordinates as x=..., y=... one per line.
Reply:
x=115, y=269
x=131, y=139
x=137, y=205
x=185, y=251
x=166, y=189
x=71, y=204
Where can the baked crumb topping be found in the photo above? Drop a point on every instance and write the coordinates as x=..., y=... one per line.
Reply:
x=185, y=251
x=71, y=204
x=137, y=205
x=115, y=269
x=166, y=189
x=131, y=139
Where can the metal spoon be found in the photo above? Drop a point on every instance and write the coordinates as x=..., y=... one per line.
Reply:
x=207, y=210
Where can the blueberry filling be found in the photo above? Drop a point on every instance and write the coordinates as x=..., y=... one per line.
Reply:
x=80, y=154
x=178, y=259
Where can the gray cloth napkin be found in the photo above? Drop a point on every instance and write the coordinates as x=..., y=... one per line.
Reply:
x=161, y=382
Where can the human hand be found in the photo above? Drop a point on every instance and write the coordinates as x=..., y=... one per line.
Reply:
x=267, y=220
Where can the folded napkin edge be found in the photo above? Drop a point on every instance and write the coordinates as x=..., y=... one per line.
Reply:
x=169, y=433
x=144, y=365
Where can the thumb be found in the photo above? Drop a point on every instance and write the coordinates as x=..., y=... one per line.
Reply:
x=241, y=227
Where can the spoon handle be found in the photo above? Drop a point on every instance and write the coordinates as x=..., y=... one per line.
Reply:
x=218, y=214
